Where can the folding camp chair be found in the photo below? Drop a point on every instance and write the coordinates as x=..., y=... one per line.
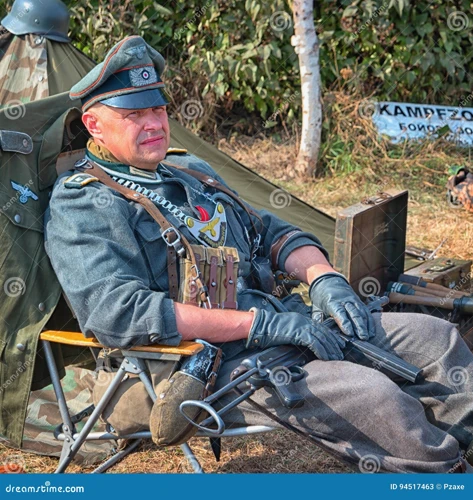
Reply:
x=133, y=363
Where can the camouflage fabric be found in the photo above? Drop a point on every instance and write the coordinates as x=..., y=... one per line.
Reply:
x=23, y=68
x=460, y=189
x=29, y=291
x=43, y=417
x=26, y=303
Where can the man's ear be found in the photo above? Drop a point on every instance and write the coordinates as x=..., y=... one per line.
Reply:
x=92, y=123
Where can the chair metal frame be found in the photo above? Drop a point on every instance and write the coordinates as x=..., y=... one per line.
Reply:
x=133, y=363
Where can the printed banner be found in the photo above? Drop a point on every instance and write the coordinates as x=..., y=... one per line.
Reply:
x=401, y=121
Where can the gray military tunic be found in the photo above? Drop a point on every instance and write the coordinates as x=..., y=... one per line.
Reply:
x=111, y=261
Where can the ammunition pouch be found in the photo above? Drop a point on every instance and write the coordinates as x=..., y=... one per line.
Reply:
x=219, y=270
x=194, y=381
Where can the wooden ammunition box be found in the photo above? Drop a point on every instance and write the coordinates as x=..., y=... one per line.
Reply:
x=370, y=240
x=452, y=273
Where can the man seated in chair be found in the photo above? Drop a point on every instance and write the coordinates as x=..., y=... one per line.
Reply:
x=132, y=280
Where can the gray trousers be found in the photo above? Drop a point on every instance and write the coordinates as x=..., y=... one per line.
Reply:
x=374, y=422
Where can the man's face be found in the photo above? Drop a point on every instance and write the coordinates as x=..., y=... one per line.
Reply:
x=137, y=137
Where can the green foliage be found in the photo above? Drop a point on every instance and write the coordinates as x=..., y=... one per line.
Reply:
x=237, y=54
x=218, y=52
x=399, y=49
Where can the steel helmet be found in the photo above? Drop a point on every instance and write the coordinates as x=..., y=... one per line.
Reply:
x=49, y=18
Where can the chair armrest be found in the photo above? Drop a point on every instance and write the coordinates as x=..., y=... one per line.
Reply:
x=185, y=348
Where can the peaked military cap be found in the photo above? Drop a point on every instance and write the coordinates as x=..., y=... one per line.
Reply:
x=129, y=77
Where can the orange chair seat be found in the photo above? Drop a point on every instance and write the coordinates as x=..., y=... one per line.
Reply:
x=185, y=348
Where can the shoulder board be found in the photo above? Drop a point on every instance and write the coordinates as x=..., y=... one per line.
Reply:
x=78, y=181
x=173, y=151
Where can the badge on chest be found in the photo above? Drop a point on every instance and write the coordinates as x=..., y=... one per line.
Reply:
x=211, y=232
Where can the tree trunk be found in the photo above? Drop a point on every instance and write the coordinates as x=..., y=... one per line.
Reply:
x=306, y=46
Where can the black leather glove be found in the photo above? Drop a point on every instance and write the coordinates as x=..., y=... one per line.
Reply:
x=331, y=294
x=271, y=329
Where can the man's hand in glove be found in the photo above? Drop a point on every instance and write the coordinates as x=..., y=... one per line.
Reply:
x=271, y=329
x=331, y=294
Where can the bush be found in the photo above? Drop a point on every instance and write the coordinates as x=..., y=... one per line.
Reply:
x=231, y=55
x=399, y=50
x=210, y=63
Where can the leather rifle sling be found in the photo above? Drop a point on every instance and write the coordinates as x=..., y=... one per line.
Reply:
x=211, y=182
x=171, y=236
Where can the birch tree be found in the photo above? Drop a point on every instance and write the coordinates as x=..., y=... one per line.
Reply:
x=306, y=46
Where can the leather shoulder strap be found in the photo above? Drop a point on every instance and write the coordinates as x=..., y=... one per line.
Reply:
x=176, y=243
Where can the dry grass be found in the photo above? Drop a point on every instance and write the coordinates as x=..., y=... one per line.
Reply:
x=281, y=452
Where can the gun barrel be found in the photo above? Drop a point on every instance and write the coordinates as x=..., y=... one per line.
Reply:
x=385, y=359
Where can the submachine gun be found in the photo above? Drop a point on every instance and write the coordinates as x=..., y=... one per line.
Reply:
x=280, y=367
